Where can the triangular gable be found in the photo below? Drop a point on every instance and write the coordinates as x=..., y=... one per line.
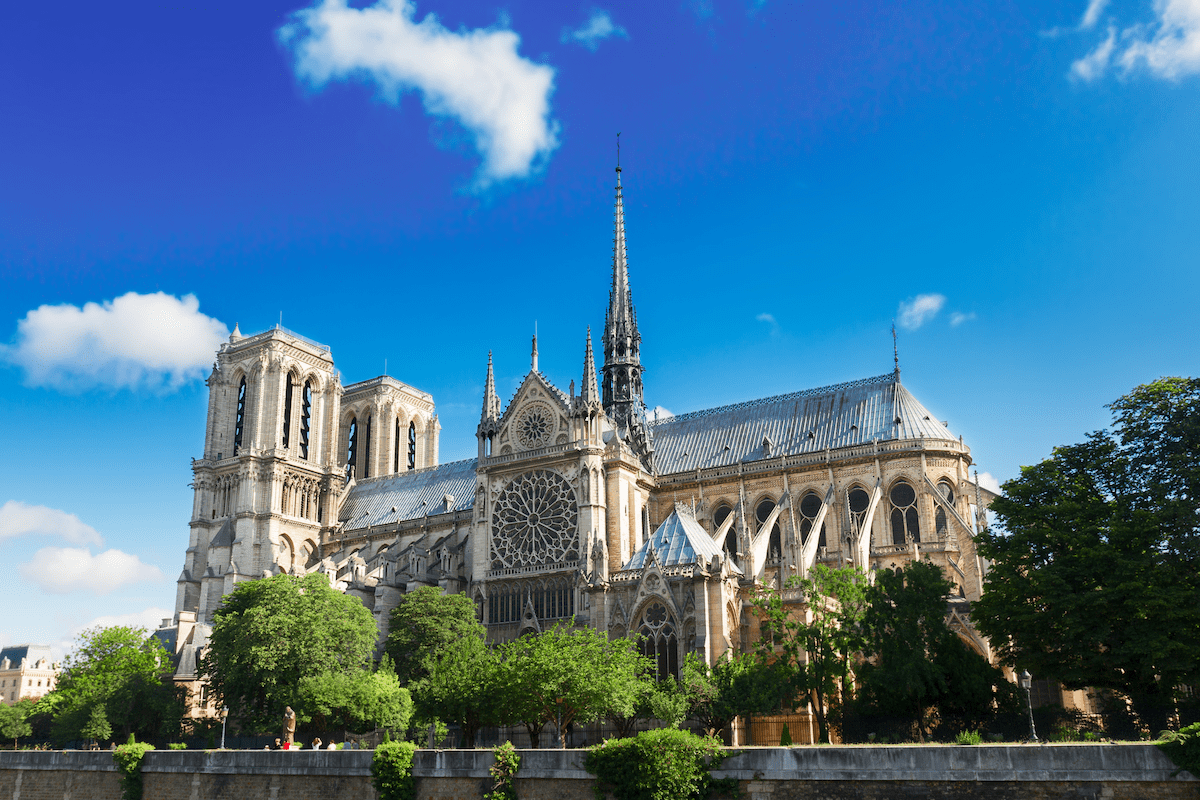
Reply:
x=536, y=417
x=677, y=541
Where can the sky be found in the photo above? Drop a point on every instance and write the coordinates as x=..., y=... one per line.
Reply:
x=1014, y=185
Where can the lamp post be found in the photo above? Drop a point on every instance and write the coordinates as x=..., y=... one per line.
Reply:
x=224, y=716
x=1027, y=685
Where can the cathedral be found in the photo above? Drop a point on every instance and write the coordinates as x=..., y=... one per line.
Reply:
x=578, y=504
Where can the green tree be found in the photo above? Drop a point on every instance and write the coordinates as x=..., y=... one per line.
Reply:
x=271, y=634
x=123, y=670
x=738, y=684
x=914, y=661
x=813, y=645
x=1095, y=575
x=463, y=686
x=565, y=675
x=97, y=727
x=423, y=624
x=14, y=720
x=358, y=701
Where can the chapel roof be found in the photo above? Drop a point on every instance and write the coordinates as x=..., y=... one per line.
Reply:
x=677, y=541
x=410, y=495
x=810, y=421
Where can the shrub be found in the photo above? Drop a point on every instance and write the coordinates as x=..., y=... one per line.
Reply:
x=969, y=737
x=177, y=745
x=128, y=758
x=1182, y=747
x=664, y=764
x=391, y=771
x=504, y=773
x=785, y=736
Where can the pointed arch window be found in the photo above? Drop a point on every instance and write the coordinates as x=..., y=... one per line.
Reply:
x=762, y=513
x=730, y=544
x=305, y=419
x=287, y=412
x=858, y=500
x=396, y=448
x=906, y=526
x=940, y=524
x=659, y=641
x=352, y=447
x=239, y=423
x=366, y=467
x=810, y=507
x=412, y=445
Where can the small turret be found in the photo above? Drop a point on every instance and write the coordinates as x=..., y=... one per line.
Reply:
x=489, y=418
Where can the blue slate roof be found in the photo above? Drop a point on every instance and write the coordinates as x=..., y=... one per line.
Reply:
x=413, y=494
x=810, y=421
x=678, y=540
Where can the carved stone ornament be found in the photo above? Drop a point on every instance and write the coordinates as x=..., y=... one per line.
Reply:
x=534, y=426
x=534, y=522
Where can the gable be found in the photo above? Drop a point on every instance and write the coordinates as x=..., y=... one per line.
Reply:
x=536, y=417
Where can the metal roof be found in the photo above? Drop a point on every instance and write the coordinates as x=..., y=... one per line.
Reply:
x=34, y=652
x=412, y=494
x=810, y=421
x=678, y=540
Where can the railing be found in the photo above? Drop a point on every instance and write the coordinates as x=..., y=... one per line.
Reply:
x=541, y=451
x=508, y=572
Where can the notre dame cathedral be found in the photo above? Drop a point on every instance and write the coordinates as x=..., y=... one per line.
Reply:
x=577, y=505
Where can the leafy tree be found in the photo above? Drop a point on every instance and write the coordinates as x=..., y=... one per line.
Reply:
x=668, y=702
x=359, y=701
x=271, y=634
x=813, y=647
x=1095, y=576
x=565, y=675
x=124, y=671
x=424, y=623
x=738, y=684
x=915, y=662
x=463, y=686
x=14, y=720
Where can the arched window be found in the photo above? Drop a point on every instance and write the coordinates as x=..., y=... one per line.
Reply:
x=659, y=642
x=810, y=507
x=287, y=413
x=719, y=516
x=761, y=513
x=412, y=445
x=240, y=421
x=366, y=467
x=352, y=447
x=305, y=419
x=504, y=604
x=396, y=448
x=940, y=525
x=905, y=525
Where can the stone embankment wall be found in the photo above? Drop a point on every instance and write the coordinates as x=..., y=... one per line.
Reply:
x=1079, y=772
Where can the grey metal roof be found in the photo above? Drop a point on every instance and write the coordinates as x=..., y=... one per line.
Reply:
x=843, y=415
x=413, y=494
x=224, y=535
x=34, y=652
x=678, y=540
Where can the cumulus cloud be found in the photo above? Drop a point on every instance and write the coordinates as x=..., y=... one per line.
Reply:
x=958, y=318
x=474, y=77
x=988, y=481
x=59, y=570
x=598, y=28
x=20, y=519
x=916, y=312
x=137, y=340
x=1168, y=47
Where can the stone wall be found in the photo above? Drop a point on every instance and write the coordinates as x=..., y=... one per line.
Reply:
x=1078, y=772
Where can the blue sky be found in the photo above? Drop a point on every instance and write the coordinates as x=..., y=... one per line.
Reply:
x=1016, y=184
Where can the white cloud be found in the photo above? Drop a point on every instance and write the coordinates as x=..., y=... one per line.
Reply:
x=958, y=318
x=19, y=519
x=598, y=28
x=59, y=570
x=988, y=481
x=1169, y=47
x=475, y=76
x=1092, y=15
x=916, y=312
x=660, y=413
x=153, y=340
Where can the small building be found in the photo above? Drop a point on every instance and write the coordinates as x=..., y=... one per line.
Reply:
x=26, y=671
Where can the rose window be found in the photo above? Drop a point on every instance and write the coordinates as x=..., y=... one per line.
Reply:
x=534, y=427
x=535, y=522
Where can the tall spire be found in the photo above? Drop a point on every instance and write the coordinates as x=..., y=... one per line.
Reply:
x=622, y=342
x=588, y=391
x=533, y=355
x=491, y=403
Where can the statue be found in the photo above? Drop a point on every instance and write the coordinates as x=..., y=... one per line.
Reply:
x=289, y=725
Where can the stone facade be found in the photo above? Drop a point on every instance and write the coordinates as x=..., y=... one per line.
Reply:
x=577, y=504
x=26, y=672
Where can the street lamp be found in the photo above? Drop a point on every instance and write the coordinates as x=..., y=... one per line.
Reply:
x=224, y=716
x=1027, y=685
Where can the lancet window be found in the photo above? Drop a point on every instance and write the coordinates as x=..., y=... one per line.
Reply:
x=239, y=423
x=810, y=507
x=719, y=517
x=287, y=412
x=412, y=445
x=940, y=524
x=551, y=598
x=352, y=447
x=366, y=466
x=762, y=513
x=396, y=448
x=305, y=419
x=658, y=640
x=906, y=526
